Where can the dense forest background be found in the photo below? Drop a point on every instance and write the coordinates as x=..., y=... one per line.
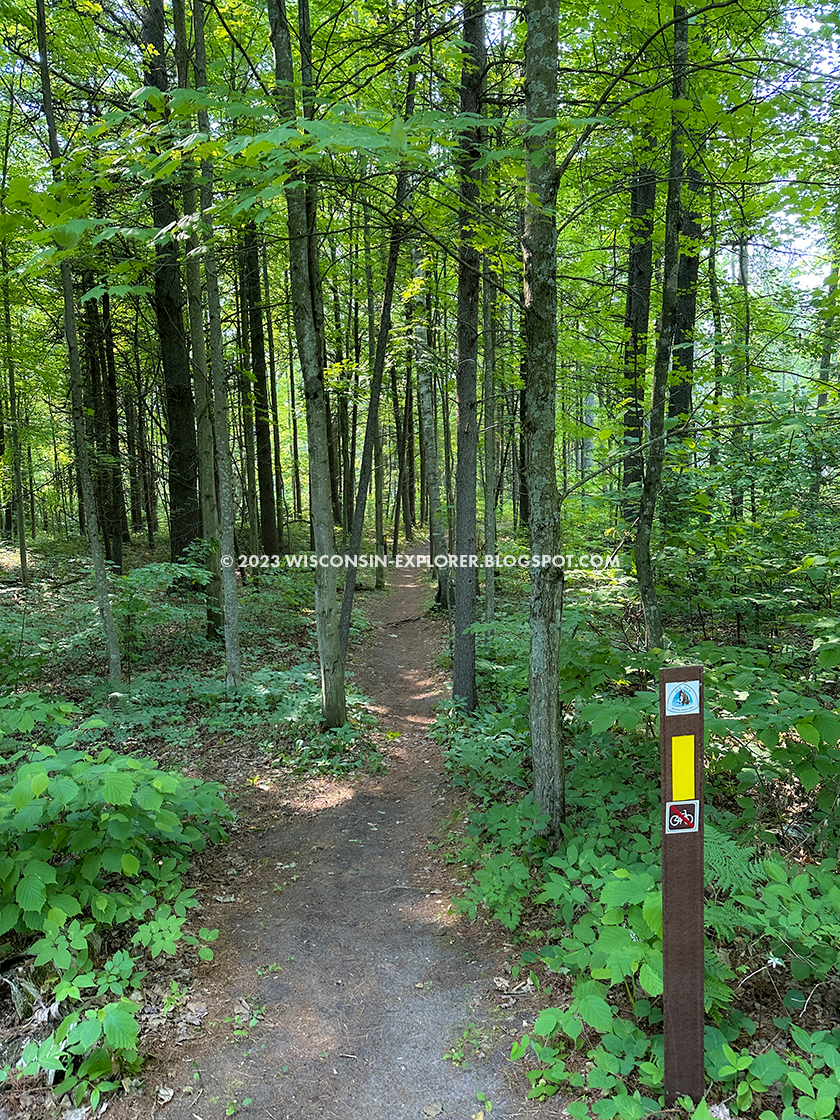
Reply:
x=543, y=281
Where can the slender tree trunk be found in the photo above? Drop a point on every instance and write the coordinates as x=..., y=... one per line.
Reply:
x=246, y=409
x=115, y=502
x=305, y=286
x=827, y=353
x=279, y=493
x=221, y=426
x=466, y=370
x=489, y=392
x=664, y=349
x=297, y=490
x=717, y=320
x=265, y=475
x=539, y=420
x=76, y=387
x=205, y=446
x=184, y=510
x=438, y=542
x=372, y=425
x=14, y=417
x=682, y=374
x=636, y=327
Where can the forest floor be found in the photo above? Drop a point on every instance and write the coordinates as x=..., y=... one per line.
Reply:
x=342, y=986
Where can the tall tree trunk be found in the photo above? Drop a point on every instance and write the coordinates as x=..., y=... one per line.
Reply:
x=305, y=288
x=539, y=420
x=218, y=381
x=297, y=489
x=11, y=372
x=438, y=538
x=279, y=489
x=246, y=408
x=664, y=349
x=489, y=392
x=466, y=369
x=184, y=510
x=636, y=327
x=372, y=424
x=265, y=474
x=205, y=444
x=115, y=497
x=14, y=418
x=76, y=388
x=827, y=353
x=682, y=373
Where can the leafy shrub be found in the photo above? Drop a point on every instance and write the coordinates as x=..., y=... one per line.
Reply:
x=140, y=601
x=93, y=841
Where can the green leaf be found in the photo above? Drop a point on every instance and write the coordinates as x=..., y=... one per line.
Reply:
x=806, y=730
x=592, y=1007
x=768, y=1067
x=85, y=1035
x=39, y=782
x=117, y=788
x=618, y=892
x=651, y=980
x=64, y=789
x=547, y=1021
x=130, y=864
x=120, y=1024
x=31, y=894
x=652, y=912
x=9, y=917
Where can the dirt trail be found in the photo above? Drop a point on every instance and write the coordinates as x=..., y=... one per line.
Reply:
x=363, y=977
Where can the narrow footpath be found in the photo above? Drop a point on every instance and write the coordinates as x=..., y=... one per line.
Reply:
x=338, y=961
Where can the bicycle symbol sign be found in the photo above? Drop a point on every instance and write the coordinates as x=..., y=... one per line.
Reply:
x=682, y=816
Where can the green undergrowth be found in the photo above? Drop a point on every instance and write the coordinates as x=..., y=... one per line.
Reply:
x=94, y=847
x=277, y=710
x=587, y=913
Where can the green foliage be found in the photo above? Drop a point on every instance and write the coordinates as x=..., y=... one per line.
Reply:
x=143, y=601
x=598, y=894
x=93, y=841
x=280, y=707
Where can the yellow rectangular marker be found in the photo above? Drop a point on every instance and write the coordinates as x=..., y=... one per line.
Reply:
x=682, y=767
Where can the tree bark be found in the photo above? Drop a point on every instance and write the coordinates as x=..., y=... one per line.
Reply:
x=221, y=427
x=466, y=369
x=664, y=349
x=184, y=510
x=636, y=328
x=205, y=445
x=539, y=420
x=262, y=419
x=305, y=287
x=489, y=393
x=76, y=388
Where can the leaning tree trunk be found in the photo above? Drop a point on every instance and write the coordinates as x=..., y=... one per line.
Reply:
x=76, y=388
x=539, y=420
x=304, y=291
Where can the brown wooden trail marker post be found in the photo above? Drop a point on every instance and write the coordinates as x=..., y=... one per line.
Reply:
x=681, y=754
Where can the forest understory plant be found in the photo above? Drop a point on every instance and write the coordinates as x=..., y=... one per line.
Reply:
x=588, y=916
x=95, y=846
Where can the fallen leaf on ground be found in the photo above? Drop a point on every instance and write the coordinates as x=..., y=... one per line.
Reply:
x=434, y=1108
